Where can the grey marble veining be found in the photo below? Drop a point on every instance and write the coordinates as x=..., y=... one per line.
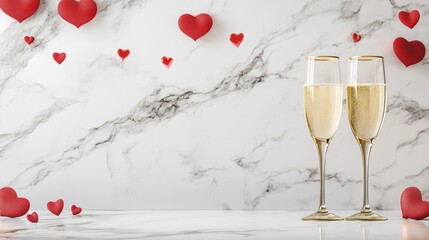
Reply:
x=223, y=128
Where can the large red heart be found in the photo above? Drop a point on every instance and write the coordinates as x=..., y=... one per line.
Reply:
x=19, y=9
x=59, y=57
x=412, y=205
x=77, y=12
x=195, y=27
x=56, y=207
x=409, y=53
x=75, y=210
x=409, y=19
x=11, y=205
x=236, y=39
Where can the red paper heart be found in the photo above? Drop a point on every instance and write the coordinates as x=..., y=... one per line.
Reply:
x=34, y=218
x=356, y=37
x=75, y=210
x=409, y=53
x=123, y=53
x=29, y=39
x=56, y=207
x=409, y=19
x=236, y=39
x=77, y=12
x=59, y=57
x=167, y=61
x=19, y=9
x=195, y=27
x=412, y=205
x=11, y=205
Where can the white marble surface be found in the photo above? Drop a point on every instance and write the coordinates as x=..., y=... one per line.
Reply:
x=223, y=128
x=209, y=225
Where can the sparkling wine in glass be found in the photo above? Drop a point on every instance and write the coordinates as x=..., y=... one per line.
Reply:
x=322, y=106
x=366, y=107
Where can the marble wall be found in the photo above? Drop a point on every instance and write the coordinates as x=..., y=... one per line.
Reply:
x=223, y=128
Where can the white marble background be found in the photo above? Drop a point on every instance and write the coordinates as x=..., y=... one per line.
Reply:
x=223, y=128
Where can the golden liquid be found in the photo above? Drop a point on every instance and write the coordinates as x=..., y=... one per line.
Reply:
x=366, y=106
x=322, y=104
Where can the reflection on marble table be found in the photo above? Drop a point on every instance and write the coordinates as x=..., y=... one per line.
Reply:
x=211, y=224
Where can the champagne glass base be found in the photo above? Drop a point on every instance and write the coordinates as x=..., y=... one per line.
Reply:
x=366, y=215
x=322, y=216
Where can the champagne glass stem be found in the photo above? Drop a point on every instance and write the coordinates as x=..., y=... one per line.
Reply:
x=365, y=147
x=322, y=213
x=322, y=148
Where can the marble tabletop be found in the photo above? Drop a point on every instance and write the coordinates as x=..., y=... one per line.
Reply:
x=207, y=225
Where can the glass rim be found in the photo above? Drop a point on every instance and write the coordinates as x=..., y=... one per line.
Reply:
x=366, y=58
x=323, y=58
x=365, y=84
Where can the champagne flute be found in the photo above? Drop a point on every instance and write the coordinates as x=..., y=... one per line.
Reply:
x=366, y=107
x=322, y=105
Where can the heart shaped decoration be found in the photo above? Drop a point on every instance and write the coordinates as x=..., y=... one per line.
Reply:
x=167, y=61
x=195, y=27
x=11, y=205
x=56, y=207
x=29, y=39
x=19, y=9
x=236, y=39
x=409, y=19
x=75, y=210
x=409, y=53
x=34, y=217
x=123, y=53
x=412, y=205
x=356, y=37
x=59, y=57
x=77, y=12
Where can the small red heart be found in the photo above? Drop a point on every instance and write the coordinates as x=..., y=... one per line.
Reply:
x=195, y=27
x=412, y=205
x=59, y=57
x=29, y=39
x=77, y=12
x=123, y=53
x=236, y=39
x=34, y=218
x=11, y=205
x=409, y=19
x=409, y=53
x=56, y=207
x=75, y=210
x=167, y=61
x=356, y=37
x=19, y=9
